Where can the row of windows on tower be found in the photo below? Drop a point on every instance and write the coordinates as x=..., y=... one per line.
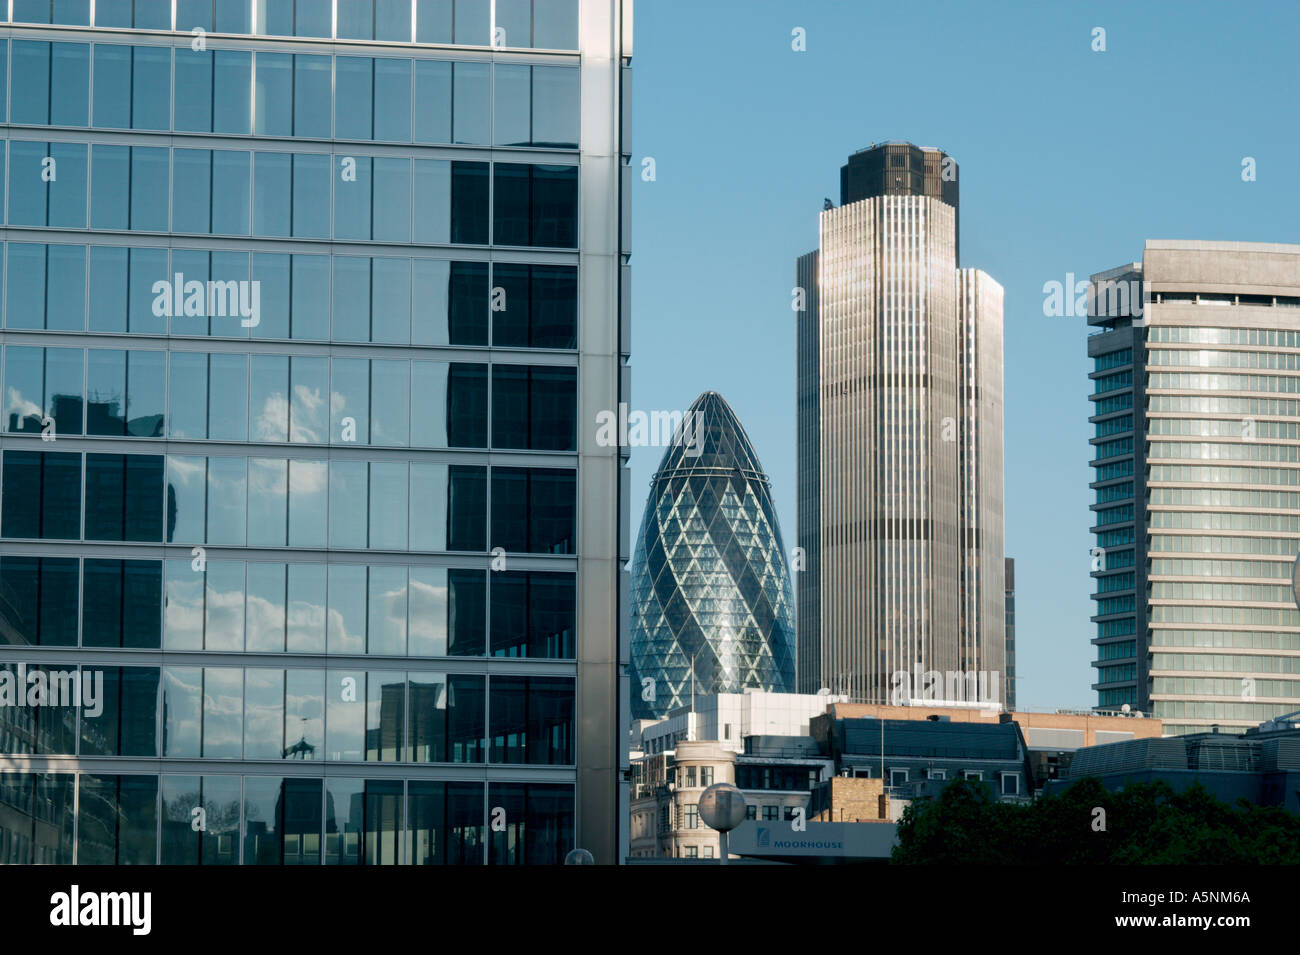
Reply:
x=283, y=195
x=389, y=300
x=236, y=501
x=305, y=95
x=335, y=715
x=519, y=24
x=279, y=398
x=143, y=819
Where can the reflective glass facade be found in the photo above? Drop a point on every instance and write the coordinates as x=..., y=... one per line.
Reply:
x=712, y=604
x=1196, y=534
x=290, y=351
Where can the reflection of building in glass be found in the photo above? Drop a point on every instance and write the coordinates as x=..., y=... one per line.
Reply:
x=712, y=605
x=291, y=349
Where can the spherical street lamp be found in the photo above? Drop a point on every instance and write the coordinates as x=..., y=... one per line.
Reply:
x=579, y=857
x=722, y=807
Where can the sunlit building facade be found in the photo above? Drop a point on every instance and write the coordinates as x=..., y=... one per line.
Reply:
x=300, y=297
x=1196, y=472
x=899, y=367
x=712, y=606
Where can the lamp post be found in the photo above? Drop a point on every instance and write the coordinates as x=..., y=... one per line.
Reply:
x=722, y=807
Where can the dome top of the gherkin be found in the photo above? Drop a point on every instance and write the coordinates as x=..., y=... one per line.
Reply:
x=711, y=437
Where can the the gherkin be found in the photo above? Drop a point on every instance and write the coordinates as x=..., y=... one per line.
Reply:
x=712, y=604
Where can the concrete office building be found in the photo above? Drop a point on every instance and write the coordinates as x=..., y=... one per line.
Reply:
x=1196, y=468
x=899, y=369
x=302, y=347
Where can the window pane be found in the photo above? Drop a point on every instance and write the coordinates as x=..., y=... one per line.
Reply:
x=555, y=24
x=149, y=188
x=352, y=191
x=554, y=207
x=511, y=207
x=390, y=398
x=68, y=192
x=429, y=521
x=193, y=86
x=356, y=20
x=306, y=618
x=351, y=300
x=66, y=290
x=272, y=194
x=264, y=709
x=311, y=215
x=223, y=712
x=466, y=607
x=344, y=816
x=273, y=95
x=268, y=502
x=308, y=421
x=304, y=714
x=69, y=84
x=512, y=23
x=393, y=100
x=385, y=716
x=392, y=204
x=151, y=83
x=31, y=82
x=146, y=268
x=64, y=384
x=307, y=503
x=228, y=396
x=186, y=490
x=264, y=627
x=192, y=190
x=224, y=605
x=471, y=103
x=433, y=21
x=227, y=500
x=388, y=514
x=473, y=22
x=182, y=710
x=230, y=185
x=469, y=203
x=554, y=307
x=268, y=410
x=391, y=301
x=510, y=105
x=232, y=80
x=428, y=611
x=353, y=97
x=432, y=101
x=467, y=504
x=347, y=496
x=106, y=392
x=432, y=200
x=310, y=311
x=312, y=85
x=24, y=388
x=468, y=304
x=147, y=387
x=153, y=15
x=387, y=610
x=28, y=192
x=429, y=300
x=313, y=18
x=345, y=709
x=393, y=20
x=112, y=95
x=555, y=106
x=271, y=271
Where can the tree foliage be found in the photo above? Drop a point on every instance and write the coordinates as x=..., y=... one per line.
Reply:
x=1145, y=824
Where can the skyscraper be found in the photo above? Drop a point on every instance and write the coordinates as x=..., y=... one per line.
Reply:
x=299, y=308
x=899, y=367
x=712, y=607
x=1194, y=456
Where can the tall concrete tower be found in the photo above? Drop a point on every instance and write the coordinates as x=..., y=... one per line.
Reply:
x=899, y=368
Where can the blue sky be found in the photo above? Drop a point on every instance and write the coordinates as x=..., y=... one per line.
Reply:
x=1070, y=159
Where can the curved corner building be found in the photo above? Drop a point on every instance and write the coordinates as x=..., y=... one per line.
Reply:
x=712, y=605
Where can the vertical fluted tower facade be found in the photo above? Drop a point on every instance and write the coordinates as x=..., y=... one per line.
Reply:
x=899, y=366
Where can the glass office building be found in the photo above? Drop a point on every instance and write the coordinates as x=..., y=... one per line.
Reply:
x=712, y=605
x=1196, y=465
x=306, y=556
